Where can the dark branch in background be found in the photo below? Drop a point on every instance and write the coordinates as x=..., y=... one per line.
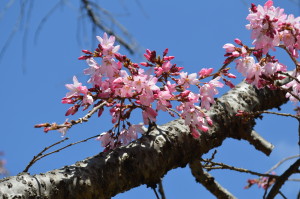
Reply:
x=95, y=18
x=294, y=168
x=45, y=18
x=92, y=10
x=16, y=27
x=282, y=161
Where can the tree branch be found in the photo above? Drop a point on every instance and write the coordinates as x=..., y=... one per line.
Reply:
x=148, y=159
x=208, y=181
x=281, y=180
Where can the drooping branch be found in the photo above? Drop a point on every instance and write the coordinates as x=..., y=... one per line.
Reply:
x=95, y=20
x=148, y=159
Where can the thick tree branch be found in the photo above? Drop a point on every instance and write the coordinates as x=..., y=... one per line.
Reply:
x=148, y=159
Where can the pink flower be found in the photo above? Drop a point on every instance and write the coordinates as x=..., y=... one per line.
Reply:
x=265, y=22
x=163, y=97
x=204, y=72
x=108, y=45
x=229, y=47
x=271, y=68
x=295, y=86
x=208, y=92
x=109, y=67
x=93, y=71
x=126, y=136
x=106, y=140
x=149, y=115
x=243, y=65
x=76, y=88
x=87, y=99
x=187, y=80
x=194, y=117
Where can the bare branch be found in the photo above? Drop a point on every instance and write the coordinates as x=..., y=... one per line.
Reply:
x=282, y=179
x=34, y=159
x=282, y=161
x=208, y=181
x=161, y=190
x=96, y=21
x=212, y=165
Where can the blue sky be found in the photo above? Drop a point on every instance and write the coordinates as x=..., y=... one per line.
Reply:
x=194, y=32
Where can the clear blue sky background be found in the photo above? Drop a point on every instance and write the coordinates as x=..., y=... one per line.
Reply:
x=194, y=32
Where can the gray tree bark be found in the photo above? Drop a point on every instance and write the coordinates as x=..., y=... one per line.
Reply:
x=148, y=159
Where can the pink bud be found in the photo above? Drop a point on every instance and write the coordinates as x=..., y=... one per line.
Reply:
x=148, y=51
x=185, y=93
x=168, y=58
x=84, y=57
x=229, y=83
x=269, y=3
x=42, y=125
x=209, y=121
x=100, y=112
x=166, y=52
x=144, y=64
x=46, y=129
x=72, y=110
x=119, y=57
x=238, y=41
x=195, y=133
x=87, y=52
x=229, y=47
x=235, y=54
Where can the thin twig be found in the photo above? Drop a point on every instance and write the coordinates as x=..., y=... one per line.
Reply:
x=44, y=19
x=34, y=159
x=161, y=190
x=224, y=166
x=91, y=112
x=280, y=114
x=291, y=56
x=156, y=194
x=95, y=20
x=281, y=179
x=58, y=150
x=282, y=161
x=280, y=193
x=290, y=76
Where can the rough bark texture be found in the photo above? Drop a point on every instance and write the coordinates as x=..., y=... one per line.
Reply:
x=147, y=160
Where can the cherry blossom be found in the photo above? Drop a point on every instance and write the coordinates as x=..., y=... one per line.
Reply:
x=106, y=140
x=107, y=43
x=208, y=92
x=187, y=80
x=294, y=85
x=76, y=88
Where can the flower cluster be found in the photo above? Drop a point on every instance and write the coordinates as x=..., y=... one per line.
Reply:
x=271, y=28
x=262, y=182
x=150, y=86
x=123, y=86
